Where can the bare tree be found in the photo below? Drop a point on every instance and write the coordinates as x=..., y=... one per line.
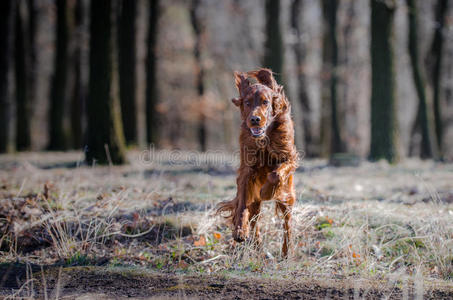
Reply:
x=33, y=20
x=22, y=69
x=383, y=94
x=273, y=52
x=105, y=138
x=151, y=72
x=300, y=57
x=79, y=86
x=7, y=11
x=199, y=30
x=434, y=64
x=424, y=121
x=127, y=63
x=58, y=134
x=330, y=61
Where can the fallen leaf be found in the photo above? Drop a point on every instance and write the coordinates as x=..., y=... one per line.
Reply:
x=201, y=242
x=301, y=244
x=217, y=236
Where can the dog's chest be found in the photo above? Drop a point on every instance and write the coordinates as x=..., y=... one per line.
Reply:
x=266, y=159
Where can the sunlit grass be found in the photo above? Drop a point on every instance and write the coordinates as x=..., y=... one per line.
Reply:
x=369, y=222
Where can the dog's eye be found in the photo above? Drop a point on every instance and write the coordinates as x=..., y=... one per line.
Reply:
x=265, y=102
x=247, y=103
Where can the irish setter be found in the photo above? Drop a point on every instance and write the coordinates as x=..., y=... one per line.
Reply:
x=268, y=156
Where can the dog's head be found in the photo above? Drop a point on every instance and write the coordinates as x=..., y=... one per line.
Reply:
x=260, y=103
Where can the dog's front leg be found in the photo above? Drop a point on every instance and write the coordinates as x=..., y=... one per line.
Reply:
x=274, y=179
x=270, y=186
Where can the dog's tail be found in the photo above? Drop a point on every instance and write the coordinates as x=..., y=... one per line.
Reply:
x=229, y=206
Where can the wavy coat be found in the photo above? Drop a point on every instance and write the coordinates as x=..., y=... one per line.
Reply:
x=268, y=156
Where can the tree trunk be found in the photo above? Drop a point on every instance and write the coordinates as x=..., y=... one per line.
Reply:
x=7, y=11
x=151, y=71
x=127, y=63
x=434, y=64
x=330, y=60
x=300, y=56
x=384, y=125
x=79, y=94
x=273, y=51
x=58, y=135
x=32, y=53
x=424, y=120
x=199, y=29
x=105, y=138
x=22, y=63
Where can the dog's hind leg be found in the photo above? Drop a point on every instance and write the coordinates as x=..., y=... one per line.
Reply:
x=286, y=207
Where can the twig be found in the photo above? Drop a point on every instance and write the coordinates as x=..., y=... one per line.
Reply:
x=212, y=259
x=21, y=187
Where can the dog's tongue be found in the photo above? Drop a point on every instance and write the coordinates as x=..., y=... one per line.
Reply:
x=256, y=131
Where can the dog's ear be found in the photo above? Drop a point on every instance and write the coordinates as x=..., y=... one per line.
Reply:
x=265, y=77
x=236, y=101
x=280, y=103
x=242, y=83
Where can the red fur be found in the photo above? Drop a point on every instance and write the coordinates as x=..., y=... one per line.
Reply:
x=268, y=161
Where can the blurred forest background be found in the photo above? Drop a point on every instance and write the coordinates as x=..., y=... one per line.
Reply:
x=372, y=78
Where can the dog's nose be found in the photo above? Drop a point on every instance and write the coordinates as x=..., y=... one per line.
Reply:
x=255, y=120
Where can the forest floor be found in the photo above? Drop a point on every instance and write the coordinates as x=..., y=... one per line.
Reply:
x=147, y=230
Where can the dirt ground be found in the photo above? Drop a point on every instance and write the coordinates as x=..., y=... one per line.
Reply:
x=147, y=231
x=102, y=283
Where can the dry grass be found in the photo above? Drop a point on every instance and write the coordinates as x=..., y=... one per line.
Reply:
x=372, y=222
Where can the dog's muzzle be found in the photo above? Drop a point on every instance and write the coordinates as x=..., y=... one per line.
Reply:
x=257, y=131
